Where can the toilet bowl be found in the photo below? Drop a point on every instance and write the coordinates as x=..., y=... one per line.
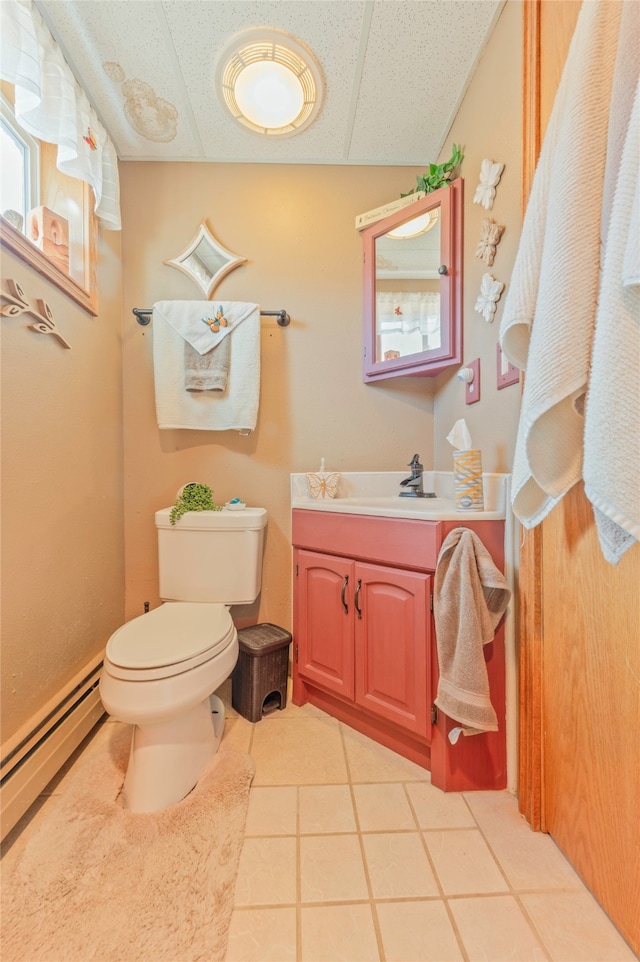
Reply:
x=159, y=673
x=161, y=670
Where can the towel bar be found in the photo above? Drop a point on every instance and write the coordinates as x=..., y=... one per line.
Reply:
x=143, y=316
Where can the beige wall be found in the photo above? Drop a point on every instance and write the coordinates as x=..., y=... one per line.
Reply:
x=62, y=516
x=295, y=226
x=63, y=414
x=488, y=125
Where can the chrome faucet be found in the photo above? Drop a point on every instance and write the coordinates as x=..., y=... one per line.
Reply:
x=414, y=485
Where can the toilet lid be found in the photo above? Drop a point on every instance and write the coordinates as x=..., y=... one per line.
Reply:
x=172, y=634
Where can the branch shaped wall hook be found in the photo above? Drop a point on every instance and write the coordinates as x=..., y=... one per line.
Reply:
x=18, y=304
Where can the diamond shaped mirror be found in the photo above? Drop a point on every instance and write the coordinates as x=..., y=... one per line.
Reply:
x=205, y=261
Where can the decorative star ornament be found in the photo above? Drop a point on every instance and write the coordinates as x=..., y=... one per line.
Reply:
x=490, y=291
x=490, y=174
x=489, y=239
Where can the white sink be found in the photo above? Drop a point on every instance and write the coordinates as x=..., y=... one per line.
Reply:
x=377, y=494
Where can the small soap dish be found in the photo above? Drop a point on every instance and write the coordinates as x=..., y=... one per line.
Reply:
x=235, y=505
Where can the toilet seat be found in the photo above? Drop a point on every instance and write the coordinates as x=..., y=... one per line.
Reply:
x=169, y=640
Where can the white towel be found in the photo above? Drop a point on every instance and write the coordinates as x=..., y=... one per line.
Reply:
x=234, y=409
x=205, y=327
x=612, y=422
x=549, y=312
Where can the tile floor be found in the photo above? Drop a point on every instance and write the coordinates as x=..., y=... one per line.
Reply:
x=350, y=855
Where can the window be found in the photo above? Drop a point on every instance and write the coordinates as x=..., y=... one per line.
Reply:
x=47, y=216
x=20, y=158
x=78, y=165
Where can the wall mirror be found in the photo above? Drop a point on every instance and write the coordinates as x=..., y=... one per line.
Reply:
x=413, y=287
x=205, y=260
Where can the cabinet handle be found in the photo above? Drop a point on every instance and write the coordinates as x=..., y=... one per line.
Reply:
x=345, y=584
x=356, y=598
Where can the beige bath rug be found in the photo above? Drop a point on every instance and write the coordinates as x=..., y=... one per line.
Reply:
x=95, y=882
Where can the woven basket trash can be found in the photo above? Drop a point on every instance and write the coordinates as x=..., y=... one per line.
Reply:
x=259, y=680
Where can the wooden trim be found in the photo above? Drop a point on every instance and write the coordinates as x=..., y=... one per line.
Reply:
x=531, y=770
x=86, y=294
x=530, y=758
x=531, y=122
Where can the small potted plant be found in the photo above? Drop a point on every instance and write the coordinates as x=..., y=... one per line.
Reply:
x=193, y=497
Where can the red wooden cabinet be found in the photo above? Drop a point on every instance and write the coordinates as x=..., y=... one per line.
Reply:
x=362, y=632
x=364, y=639
x=325, y=638
x=392, y=644
x=413, y=287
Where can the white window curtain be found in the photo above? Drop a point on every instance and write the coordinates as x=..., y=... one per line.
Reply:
x=50, y=106
x=406, y=312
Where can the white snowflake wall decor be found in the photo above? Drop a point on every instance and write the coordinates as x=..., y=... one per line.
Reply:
x=490, y=174
x=489, y=239
x=490, y=291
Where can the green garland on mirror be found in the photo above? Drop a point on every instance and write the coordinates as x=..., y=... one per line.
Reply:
x=438, y=175
x=195, y=497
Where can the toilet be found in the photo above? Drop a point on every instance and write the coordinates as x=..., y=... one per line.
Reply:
x=161, y=669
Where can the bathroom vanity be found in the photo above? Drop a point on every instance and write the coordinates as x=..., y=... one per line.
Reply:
x=364, y=636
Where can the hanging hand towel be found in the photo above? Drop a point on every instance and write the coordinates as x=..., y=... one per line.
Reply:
x=612, y=421
x=205, y=327
x=189, y=395
x=207, y=372
x=549, y=311
x=470, y=597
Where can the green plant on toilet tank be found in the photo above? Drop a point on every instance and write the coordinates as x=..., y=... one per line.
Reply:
x=193, y=497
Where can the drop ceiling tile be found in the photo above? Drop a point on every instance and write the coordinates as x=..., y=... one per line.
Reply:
x=119, y=51
x=395, y=72
x=331, y=29
x=420, y=56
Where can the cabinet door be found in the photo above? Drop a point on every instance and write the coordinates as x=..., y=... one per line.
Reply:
x=392, y=633
x=325, y=621
x=413, y=287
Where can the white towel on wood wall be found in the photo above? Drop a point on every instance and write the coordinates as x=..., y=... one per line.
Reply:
x=612, y=422
x=549, y=312
x=235, y=408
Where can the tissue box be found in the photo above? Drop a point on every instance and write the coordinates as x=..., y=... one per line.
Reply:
x=467, y=480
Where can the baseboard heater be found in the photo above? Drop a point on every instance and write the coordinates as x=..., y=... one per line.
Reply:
x=37, y=752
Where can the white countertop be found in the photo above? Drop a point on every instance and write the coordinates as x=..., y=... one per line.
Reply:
x=377, y=494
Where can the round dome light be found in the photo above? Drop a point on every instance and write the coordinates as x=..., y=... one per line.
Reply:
x=269, y=94
x=270, y=82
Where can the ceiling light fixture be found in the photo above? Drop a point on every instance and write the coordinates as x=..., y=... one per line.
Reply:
x=270, y=82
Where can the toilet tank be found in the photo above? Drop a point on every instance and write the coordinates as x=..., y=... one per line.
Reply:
x=211, y=556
